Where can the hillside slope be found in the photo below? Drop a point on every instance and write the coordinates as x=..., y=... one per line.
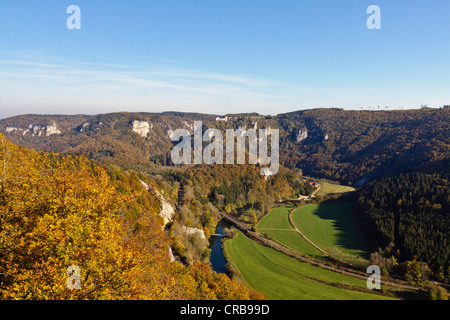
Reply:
x=352, y=147
x=60, y=211
x=355, y=147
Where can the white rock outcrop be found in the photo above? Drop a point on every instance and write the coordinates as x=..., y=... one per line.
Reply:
x=142, y=127
x=11, y=129
x=52, y=129
x=302, y=135
x=37, y=130
x=170, y=133
x=210, y=134
x=190, y=126
x=194, y=231
x=167, y=211
x=84, y=126
x=171, y=256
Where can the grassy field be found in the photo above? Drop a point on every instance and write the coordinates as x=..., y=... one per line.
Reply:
x=281, y=277
x=276, y=219
x=327, y=189
x=276, y=224
x=331, y=227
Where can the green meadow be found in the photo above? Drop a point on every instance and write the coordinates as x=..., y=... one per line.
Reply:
x=281, y=277
x=327, y=189
x=276, y=224
x=331, y=227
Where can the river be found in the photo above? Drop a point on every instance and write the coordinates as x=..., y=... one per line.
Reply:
x=218, y=261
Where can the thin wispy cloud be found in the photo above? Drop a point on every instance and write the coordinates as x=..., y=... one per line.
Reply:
x=105, y=82
x=196, y=74
x=29, y=63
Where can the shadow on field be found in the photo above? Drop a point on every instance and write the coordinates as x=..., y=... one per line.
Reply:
x=348, y=235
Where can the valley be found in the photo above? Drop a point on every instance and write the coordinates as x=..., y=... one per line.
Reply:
x=254, y=258
x=307, y=232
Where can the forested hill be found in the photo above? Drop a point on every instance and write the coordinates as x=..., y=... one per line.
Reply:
x=352, y=147
x=355, y=147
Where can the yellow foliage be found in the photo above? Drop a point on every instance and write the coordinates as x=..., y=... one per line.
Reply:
x=56, y=212
x=61, y=211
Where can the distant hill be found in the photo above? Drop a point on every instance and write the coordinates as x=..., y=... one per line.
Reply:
x=131, y=140
x=352, y=147
x=355, y=147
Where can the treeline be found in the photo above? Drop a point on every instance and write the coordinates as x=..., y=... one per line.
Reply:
x=409, y=214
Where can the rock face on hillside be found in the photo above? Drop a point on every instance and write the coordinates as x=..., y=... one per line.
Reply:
x=329, y=143
x=302, y=135
x=142, y=128
x=87, y=124
x=52, y=129
x=171, y=256
x=35, y=130
x=167, y=211
x=170, y=134
x=194, y=231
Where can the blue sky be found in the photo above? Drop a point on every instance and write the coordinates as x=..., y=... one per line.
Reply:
x=222, y=56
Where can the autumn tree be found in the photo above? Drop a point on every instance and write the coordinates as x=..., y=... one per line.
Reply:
x=57, y=212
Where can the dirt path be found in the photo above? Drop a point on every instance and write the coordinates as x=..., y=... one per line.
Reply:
x=305, y=237
x=317, y=190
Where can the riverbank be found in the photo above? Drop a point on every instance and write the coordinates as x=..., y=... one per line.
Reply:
x=217, y=258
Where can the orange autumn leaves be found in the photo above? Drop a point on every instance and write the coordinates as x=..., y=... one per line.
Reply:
x=57, y=211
